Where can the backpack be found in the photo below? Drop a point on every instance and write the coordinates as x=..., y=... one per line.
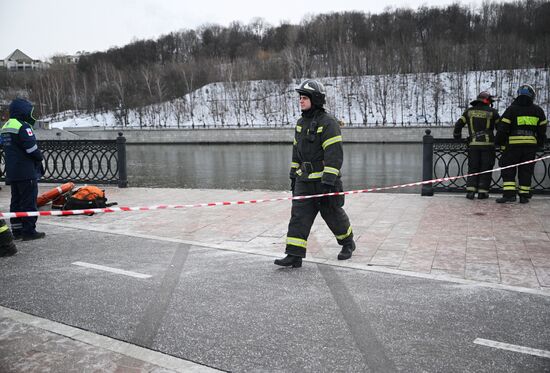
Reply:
x=87, y=197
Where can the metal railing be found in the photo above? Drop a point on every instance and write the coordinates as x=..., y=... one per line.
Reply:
x=82, y=161
x=449, y=157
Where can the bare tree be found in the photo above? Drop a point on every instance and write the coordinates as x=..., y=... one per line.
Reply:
x=188, y=78
x=121, y=111
x=383, y=88
x=436, y=88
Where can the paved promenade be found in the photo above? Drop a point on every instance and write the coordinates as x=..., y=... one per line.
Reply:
x=445, y=235
x=407, y=245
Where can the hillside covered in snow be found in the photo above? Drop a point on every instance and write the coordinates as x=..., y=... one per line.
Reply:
x=374, y=100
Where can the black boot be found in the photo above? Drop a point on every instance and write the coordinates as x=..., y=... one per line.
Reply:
x=289, y=260
x=346, y=251
x=8, y=249
x=33, y=236
x=482, y=195
x=470, y=195
x=523, y=199
x=505, y=199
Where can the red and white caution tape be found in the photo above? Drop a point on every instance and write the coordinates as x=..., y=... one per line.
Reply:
x=229, y=203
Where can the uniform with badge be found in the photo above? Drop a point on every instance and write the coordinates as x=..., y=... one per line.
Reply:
x=23, y=162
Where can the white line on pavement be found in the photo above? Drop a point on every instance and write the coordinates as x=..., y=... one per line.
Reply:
x=351, y=265
x=509, y=347
x=112, y=270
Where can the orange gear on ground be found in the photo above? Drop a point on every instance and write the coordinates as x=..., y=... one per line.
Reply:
x=54, y=193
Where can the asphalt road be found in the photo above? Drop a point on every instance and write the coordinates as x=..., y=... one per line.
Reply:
x=238, y=312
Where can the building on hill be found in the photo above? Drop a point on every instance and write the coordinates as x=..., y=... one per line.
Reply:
x=65, y=59
x=68, y=59
x=19, y=61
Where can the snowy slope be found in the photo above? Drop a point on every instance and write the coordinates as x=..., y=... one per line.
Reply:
x=383, y=100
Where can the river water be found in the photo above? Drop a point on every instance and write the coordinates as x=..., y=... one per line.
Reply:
x=265, y=166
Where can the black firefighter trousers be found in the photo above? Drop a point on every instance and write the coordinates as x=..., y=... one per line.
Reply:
x=304, y=212
x=480, y=158
x=512, y=155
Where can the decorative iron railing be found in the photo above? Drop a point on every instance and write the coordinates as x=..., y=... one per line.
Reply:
x=449, y=157
x=82, y=161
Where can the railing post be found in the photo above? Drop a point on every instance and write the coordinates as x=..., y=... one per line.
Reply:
x=121, y=153
x=427, y=163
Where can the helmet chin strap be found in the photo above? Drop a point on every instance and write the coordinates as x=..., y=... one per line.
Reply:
x=31, y=119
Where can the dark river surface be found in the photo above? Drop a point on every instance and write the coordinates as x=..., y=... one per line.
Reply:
x=265, y=166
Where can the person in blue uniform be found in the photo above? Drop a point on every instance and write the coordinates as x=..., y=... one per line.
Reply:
x=23, y=166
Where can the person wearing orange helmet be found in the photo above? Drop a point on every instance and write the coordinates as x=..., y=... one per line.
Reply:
x=480, y=119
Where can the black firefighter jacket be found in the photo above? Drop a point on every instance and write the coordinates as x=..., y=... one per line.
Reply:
x=317, y=153
x=522, y=124
x=480, y=120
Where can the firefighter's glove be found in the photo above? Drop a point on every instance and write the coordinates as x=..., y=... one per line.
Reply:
x=328, y=188
x=292, y=184
x=329, y=200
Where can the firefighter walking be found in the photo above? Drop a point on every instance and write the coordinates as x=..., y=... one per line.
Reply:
x=317, y=157
x=520, y=131
x=480, y=119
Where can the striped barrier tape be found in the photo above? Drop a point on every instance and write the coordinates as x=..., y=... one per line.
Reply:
x=229, y=203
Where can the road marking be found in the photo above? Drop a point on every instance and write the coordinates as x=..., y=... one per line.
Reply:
x=361, y=329
x=334, y=263
x=509, y=347
x=112, y=270
x=150, y=323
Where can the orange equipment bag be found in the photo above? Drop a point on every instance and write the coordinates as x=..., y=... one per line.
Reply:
x=88, y=193
x=87, y=197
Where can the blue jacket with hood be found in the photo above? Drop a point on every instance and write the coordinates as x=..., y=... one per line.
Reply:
x=23, y=158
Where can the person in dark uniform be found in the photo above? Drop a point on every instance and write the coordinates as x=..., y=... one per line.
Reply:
x=7, y=246
x=23, y=167
x=480, y=119
x=520, y=131
x=317, y=157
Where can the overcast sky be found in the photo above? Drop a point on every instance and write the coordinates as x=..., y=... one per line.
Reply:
x=42, y=28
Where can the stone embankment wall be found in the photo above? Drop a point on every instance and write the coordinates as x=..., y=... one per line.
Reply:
x=249, y=135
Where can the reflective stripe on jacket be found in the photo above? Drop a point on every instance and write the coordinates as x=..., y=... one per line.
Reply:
x=22, y=156
x=480, y=120
x=522, y=124
x=317, y=153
